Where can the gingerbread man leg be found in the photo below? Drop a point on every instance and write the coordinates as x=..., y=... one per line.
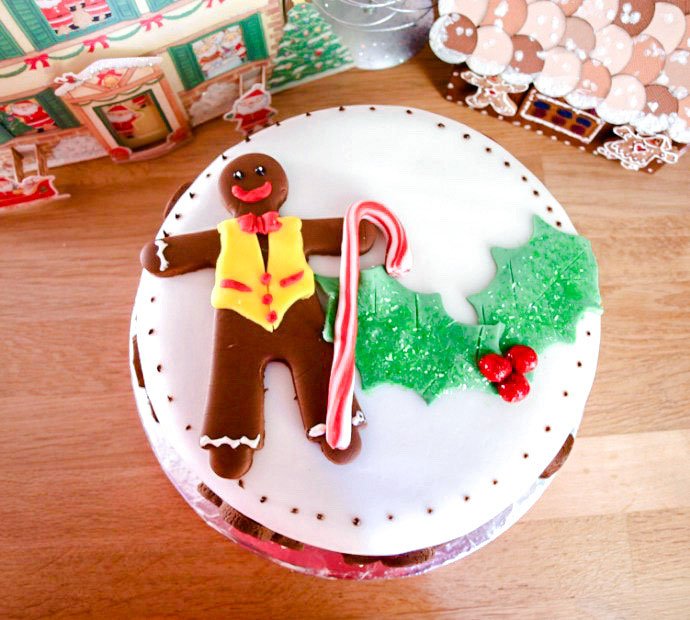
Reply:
x=310, y=357
x=234, y=426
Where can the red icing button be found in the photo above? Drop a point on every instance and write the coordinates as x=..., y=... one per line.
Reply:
x=266, y=299
x=272, y=316
x=265, y=278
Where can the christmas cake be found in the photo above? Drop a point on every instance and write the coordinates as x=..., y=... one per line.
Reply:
x=363, y=341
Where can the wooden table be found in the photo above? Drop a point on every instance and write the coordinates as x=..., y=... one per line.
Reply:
x=89, y=524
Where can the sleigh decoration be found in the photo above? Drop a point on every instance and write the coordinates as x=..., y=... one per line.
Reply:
x=609, y=78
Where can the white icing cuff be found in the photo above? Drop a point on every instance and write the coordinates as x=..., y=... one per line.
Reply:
x=161, y=245
x=319, y=430
x=358, y=419
x=233, y=443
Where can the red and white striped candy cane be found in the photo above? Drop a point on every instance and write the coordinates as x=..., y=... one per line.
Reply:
x=398, y=261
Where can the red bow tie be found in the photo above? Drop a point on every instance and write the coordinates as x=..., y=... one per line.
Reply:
x=259, y=224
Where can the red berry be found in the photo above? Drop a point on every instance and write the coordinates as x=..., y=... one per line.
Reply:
x=514, y=388
x=524, y=359
x=494, y=367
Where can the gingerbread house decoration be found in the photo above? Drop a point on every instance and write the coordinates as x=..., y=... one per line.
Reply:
x=611, y=77
x=209, y=51
x=128, y=105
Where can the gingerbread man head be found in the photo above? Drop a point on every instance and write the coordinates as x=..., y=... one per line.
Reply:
x=253, y=183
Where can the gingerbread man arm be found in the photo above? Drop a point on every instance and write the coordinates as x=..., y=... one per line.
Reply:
x=172, y=256
x=325, y=236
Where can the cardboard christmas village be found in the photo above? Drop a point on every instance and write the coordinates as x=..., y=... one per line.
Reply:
x=611, y=77
x=129, y=79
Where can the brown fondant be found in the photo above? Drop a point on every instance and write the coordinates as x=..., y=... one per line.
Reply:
x=244, y=524
x=206, y=493
x=403, y=559
x=559, y=459
x=172, y=201
x=136, y=362
x=242, y=349
x=284, y=541
x=408, y=559
x=153, y=411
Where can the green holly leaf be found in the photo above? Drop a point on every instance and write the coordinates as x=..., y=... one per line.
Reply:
x=408, y=339
x=541, y=289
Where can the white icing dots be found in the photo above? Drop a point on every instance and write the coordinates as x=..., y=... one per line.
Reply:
x=509, y=15
x=599, y=13
x=613, y=48
x=625, y=99
x=646, y=60
x=474, y=9
x=676, y=73
x=493, y=52
x=667, y=25
x=545, y=22
x=560, y=74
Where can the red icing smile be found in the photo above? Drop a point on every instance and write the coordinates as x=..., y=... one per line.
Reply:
x=253, y=195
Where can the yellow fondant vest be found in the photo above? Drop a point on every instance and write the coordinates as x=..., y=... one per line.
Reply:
x=261, y=294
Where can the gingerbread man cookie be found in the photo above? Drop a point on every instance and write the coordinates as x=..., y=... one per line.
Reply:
x=266, y=309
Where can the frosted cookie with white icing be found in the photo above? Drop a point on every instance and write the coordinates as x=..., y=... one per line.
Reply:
x=369, y=353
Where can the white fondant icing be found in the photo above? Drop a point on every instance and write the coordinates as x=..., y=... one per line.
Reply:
x=456, y=201
x=228, y=441
x=160, y=253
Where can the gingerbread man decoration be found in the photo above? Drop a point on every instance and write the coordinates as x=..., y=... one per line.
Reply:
x=636, y=151
x=266, y=310
x=492, y=91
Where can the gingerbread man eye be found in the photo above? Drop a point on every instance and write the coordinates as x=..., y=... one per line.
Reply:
x=238, y=174
x=260, y=170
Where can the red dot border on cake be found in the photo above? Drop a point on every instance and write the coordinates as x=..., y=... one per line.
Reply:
x=467, y=136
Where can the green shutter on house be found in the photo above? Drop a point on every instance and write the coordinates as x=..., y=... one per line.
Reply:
x=155, y=5
x=30, y=19
x=187, y=65
x=8, y=46
x=35, y=26
x=57, y=109
x=254, y=39
x=5, y=135
x=123, y=9
x=12, y=124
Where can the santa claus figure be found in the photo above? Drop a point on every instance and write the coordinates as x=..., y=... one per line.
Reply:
x=57, y=14
x=232, y=45
x=208, y=54
x=252, y=110
x=31, y=114
x=122, y=119
x=99, y=10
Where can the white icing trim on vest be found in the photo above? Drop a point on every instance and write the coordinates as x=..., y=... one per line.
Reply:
x=233, y=443
x=161, y=245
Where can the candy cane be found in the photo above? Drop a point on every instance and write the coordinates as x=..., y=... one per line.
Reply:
x=398, y=261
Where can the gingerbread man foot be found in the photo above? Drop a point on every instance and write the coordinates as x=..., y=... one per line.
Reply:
x=228, y=462
x=341, y=457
